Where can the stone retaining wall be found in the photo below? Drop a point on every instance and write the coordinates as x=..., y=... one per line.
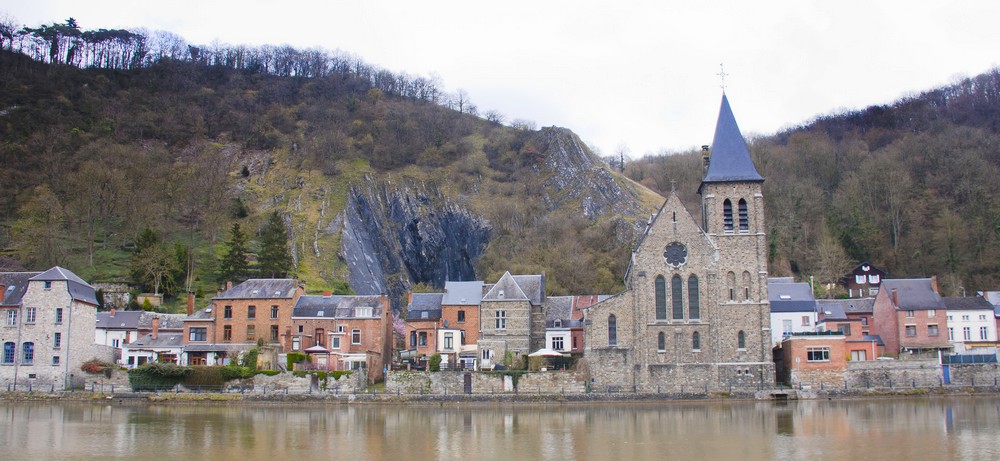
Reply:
x=453, y=382
x=893, y=373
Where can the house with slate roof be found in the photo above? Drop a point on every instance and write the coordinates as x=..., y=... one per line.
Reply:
x=157, y=345
x=854, y=308
x=512, y=319
x=339, y=332
x=859, y=345
x=423, y=319
x=909, y=316
x=48, y=329
x=793, y=308
x=972, y=325
x=116, y=328
x=564, y=321
x=695, y=312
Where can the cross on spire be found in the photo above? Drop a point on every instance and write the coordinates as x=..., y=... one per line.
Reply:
x=722, y=74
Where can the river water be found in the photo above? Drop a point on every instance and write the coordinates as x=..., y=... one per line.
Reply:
x=954, y=428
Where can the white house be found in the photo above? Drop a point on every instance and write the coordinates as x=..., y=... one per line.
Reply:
x=793, y=308
x=972, y=326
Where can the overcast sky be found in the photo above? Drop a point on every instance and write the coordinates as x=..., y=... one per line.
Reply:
x=636, y=73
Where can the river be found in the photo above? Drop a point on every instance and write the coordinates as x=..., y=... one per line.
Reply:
x=928, y=428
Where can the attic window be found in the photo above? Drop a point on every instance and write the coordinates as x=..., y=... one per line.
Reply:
x=785, y=297
x=423, y=315
x=500, y=294
x=277, y=293
x=319, y=314
x=557, y=323
x=255, y=292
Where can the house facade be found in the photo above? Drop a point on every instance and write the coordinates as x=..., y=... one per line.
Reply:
x=909, y=316
x=793, y=308
x=511, y=318
x=863, y=281
x=972, y=325
x=340, y=332
x=695, y=312
x=48, y=329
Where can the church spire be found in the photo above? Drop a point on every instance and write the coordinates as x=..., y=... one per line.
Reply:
x=730, y=160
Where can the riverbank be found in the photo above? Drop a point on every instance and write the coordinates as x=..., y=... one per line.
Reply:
x=277, y=398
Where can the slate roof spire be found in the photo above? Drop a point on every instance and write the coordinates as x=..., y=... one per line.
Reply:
x=730, y=159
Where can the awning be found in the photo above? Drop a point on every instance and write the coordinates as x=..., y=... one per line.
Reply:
x=546, y=352
x=354, y=358
x=317, y=349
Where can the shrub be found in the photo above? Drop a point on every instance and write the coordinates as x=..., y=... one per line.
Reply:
x=249, y=358
x=96, y=366
x=269, y=372
x=337, y=374
x=295, y=357
x=208, y=376
x=435, y=362
x=231, y=372
x=156, y=376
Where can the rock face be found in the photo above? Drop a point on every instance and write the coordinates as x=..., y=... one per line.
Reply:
x=397, y=236
x=578, y=175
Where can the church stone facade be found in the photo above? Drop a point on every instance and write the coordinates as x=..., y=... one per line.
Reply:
x=695, y=311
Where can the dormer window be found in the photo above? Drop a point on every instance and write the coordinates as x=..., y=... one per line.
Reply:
x=557, y=323
x=785, y=297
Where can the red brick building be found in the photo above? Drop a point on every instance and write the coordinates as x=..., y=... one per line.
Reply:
x=910, y=317
x=343, y=333
x=812, y=358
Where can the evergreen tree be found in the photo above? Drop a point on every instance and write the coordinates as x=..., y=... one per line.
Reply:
x=275, y=261
x=234, y=266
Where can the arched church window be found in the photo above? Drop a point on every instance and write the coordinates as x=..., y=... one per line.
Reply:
x=727, y=216
x=731, y=285
x=741, y=340
x=694, y=301
x=677, y=296
x=660, y=286
x=661, y=342
x=695, y=341
x=612, y=330
x=746, y=286
x=744, y=216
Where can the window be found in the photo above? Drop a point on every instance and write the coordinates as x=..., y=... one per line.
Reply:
x=29, y=353
x=844, y=329
x=56, y=340
x=413, y=339
x=612, y=330
x=859, y=356
x=859, y=279
x=355, y=336
x=341, y=329
x=11, y=318
x=660, y=286
x=727, y=216
x=951, y=334
x=746, y=285
x=873, y=278
x=731, y=284
x=984, y=333
x=449, y=341
x=296, y=343
x=251, y=332
x=786, y=327
x=558, y=343
x=932, y=330
x=59, y=315
x=319, y=337
x=965, y=318
x=661, y=342
x=274, y=332
x=335, y=342
x=301, y=329
x=694, y=303
x=274, y=312
x=8, y=353
x=818, y=354
x=423, y=338
x=695, y=341
x=741, y=340
x=116, y=343
x=227, y=333
x=982, y=317
x=966, y=333
x=251, y=312
x=677, y=297
x=198, y=334
x=744, y=216
x=909, y=314
x=227, y=312
x=29, y=315
x=55, y=360
x=805, y=320
x=949, y=318
x=461, y=316
x=501, y=320
x=932, y=313
x=575, y=346
x=911, y=330
x=864, y=321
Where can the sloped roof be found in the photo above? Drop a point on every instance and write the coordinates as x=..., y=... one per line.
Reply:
x=261, y=289
x=730, y=159
x=16, y=284
x=134, y=320
x=558, y=308
x=203, y=314
x=832, y=311
x=506, y=289
x=849, y=306
x=794, y=306
x=966, y=303
x=336, y=306
x=463, y=293
x=913, y=294
x=425, y=306
x=163, y=340
x=78, y=289
x=789, y=292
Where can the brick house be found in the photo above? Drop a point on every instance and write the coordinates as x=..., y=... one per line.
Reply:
x=340, y=332
x=460, y=308
x=859, y=345
x=812, y=358
x=48, y=329
x=859, y=309
x=423, y=319
x=239, y=317
x=909, y=316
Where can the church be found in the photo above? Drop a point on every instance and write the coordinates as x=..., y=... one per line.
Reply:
x=694, y=313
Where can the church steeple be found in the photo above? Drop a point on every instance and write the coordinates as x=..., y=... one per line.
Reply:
x=730, y=159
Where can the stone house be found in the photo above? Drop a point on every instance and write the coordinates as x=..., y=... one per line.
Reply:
x=909, y=316
x=240, y=317
x=971, y=324
x=48, y=329
x=695, y=310
x=511, y=318
x=340, y=332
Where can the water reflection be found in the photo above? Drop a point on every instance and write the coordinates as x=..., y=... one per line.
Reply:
x=953, y=428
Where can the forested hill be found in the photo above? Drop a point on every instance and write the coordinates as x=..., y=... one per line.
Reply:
x=911, y=187
x=132, y=156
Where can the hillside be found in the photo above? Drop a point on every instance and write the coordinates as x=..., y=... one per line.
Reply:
x=382, y=182
x=910, y=187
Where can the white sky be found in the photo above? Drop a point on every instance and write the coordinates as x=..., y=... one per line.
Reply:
x=636, y=73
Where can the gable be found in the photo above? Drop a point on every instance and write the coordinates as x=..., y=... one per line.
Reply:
x=673, y=224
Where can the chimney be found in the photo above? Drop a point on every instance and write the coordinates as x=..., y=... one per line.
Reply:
x=112, y=311
x=409, y=298
x=229, y=285
x=895, y=297
x=156, y=327
x=934, y=285
x=3, y=289
x=190, y=304
x=327, y=293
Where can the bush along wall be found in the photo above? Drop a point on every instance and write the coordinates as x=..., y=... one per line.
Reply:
x=156, y=376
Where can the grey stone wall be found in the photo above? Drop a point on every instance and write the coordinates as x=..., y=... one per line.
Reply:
x=893, y=373
x=453, y=383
